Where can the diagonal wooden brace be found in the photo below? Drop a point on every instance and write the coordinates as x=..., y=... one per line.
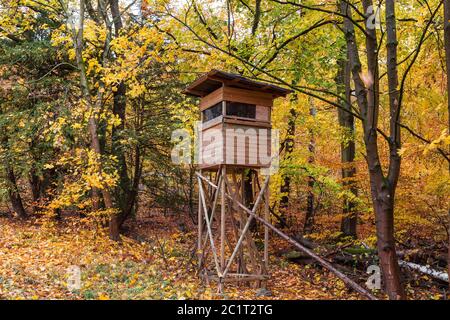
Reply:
x=208, y=225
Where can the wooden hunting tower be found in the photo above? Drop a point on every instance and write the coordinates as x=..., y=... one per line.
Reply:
x=234, y=138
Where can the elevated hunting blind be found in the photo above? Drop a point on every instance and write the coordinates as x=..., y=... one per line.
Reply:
x=235, y=142
x=236, y=119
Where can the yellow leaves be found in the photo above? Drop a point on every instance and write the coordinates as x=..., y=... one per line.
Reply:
x=112, y=78
x=317, y=277
x=93, y=180
x=111, y=119
x=96, y=178
x=103, y=297
x=115, y=121
x=71, y=53
x=83, y=166
x=120, y=44
x=93, y=66
x=325, y=234
x=442, y=141
x=100, y=181
x=136, y=90
x=176, y=236
x=401, y=151
x=436, y=296
x=77, y=125
x=94, y=34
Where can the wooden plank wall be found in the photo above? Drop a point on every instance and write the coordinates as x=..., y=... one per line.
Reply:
x=237, y=95
x=242, y=145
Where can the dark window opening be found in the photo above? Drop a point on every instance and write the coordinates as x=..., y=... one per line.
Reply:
x=212, y=112
x=242, y=110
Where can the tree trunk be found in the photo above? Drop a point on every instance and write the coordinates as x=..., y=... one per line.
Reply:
x=134, y=190
x=92, y=124
x=392, y=269
x=310, y=207
x=256, y=17
x=248, y=188
x=126, y=194
x=348, y=150
x=248, y=194
x=35, y=185
x=382, y=188
x=447, y=56
x=13, y=192
x=191, y=188
x=288, y=149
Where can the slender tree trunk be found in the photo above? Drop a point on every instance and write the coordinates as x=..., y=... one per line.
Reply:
x=248, y=188
x=126, y=194
x=33, y=179
x=310, y=199
x=285, y=190
x=447, y=56
x=249, y=194
x=134, y=190
x=257, y=16
x=13, y=192
x=394, y=145
x=35, y=185
x=92, y=124
x=382, y=188
x=123, y=193
x=348, y=150
x=191, y=189
x=289, y=145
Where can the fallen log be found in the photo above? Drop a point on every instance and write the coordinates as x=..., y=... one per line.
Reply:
x=327, y=265
x=299, y=257
x=443, y=276
x=359, y=251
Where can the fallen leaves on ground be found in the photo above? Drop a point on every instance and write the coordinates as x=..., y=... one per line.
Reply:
x=34, y=263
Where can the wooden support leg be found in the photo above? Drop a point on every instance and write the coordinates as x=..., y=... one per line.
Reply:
x=222, y=227
x=200, y=229
x=208, y=225
x=266, y=233
x=214, y=196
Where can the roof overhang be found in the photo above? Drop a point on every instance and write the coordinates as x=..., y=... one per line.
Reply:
x=215, y=79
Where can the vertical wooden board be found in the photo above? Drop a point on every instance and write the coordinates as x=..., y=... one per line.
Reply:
x=224, y=154
x=262, y=113
x=208, y=144
x=245, y=146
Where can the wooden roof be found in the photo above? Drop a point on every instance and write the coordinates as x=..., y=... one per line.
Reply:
x=215, y=79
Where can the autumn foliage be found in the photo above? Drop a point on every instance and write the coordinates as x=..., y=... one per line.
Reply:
x=91, y=91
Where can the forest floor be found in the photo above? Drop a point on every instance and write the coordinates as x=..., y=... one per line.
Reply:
x=153, y=261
